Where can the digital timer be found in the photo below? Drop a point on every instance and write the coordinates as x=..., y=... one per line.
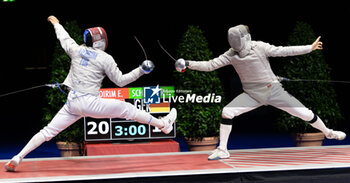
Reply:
x=129, y=129
x=132, y=130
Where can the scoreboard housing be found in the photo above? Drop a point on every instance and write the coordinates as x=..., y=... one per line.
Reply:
x=108, y=129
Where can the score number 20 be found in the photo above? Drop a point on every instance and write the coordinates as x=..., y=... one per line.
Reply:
x=103, y=128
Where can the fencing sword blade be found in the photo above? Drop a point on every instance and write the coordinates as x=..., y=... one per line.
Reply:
x=161, y=46
x=144, y=52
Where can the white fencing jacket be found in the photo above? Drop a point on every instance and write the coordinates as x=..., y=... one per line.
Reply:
x=89, y=66
x=254, y=69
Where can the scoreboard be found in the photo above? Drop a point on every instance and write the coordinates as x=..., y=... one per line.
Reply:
x=108, y=129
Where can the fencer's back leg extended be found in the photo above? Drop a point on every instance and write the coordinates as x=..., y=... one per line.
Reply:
x=293, y=106
x=61, y=121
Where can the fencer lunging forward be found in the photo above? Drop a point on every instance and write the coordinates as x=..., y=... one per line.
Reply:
x=260, y=84
x=89, y=65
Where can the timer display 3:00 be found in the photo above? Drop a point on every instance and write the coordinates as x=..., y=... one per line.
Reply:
x=130, y=129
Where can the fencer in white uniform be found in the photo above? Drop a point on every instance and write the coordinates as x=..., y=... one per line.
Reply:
x=261, y=86
x=89, y=66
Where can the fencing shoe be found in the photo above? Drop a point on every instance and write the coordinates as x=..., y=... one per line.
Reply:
x=13, y=163
x=169, y=121
x=219, y=154
x=339, y=135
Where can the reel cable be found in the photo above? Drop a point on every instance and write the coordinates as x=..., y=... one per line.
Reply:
x=54, y=85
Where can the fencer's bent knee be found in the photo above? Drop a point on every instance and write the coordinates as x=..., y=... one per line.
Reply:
x=307, y=115
x=231, y=112
x=227, y=113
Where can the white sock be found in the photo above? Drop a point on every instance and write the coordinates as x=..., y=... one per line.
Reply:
x=146, y=118
x=320, y=126
x=225, y=131
x=35, y=142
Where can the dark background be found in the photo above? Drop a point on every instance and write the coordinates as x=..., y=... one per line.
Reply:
x=27, y=41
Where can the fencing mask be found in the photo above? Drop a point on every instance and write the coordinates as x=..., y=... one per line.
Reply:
x=96, y=37
x=240, y=40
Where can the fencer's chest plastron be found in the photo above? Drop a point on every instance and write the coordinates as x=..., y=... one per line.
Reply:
x=96, y=37
x=252, y=70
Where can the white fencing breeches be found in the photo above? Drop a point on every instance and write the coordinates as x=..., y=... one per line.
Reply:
x=277, y=97
x=81, y=104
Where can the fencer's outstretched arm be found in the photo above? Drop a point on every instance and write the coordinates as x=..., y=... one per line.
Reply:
x=67, y=43
x=114, y=74
x=283, y=51
x=120, y=79
x=213, y=64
